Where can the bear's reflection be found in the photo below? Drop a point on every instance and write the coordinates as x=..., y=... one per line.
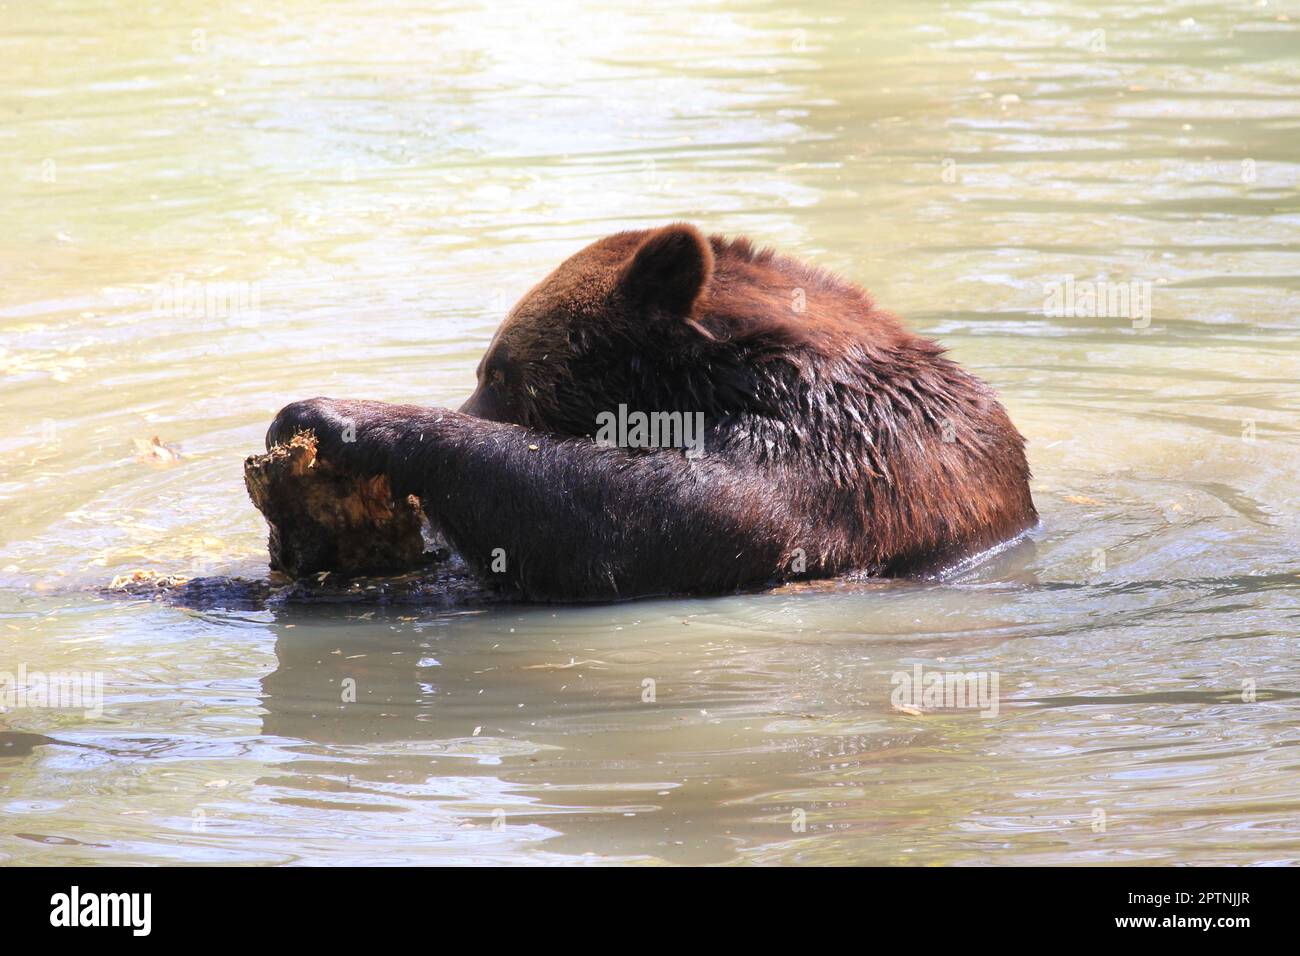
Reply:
x=370, y=676
x=534, y=717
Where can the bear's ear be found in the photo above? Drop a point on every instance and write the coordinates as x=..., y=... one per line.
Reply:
x=670, y=269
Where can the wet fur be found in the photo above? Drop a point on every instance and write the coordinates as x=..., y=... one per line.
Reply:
x=831, y=431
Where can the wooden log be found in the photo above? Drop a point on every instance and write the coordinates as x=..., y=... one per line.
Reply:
x=324, y=519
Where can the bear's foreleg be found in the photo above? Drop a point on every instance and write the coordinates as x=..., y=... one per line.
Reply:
x=564, y=519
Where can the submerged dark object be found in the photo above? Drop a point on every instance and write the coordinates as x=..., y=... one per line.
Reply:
x=443, y=586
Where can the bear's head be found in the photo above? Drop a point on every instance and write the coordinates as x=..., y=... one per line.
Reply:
x=616, y=323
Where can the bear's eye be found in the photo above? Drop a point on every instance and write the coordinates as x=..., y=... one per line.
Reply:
x=496, y=377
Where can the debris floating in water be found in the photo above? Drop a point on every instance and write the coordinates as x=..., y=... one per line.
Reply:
x=156, y=451
x=137, y=580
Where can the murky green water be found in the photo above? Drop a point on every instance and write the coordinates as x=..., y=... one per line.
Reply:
x=367, y=186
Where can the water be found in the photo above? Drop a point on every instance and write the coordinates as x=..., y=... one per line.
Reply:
x=379, y=181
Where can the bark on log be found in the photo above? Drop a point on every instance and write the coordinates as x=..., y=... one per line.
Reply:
x=325, y=519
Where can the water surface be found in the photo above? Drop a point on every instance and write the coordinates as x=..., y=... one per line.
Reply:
x=374, y=183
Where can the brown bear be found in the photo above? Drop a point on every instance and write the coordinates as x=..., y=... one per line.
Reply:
x=821, y=437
